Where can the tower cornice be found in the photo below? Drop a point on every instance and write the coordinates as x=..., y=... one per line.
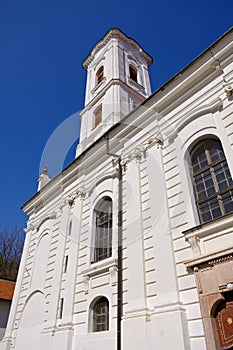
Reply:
x=116, y=33
x=113, y=82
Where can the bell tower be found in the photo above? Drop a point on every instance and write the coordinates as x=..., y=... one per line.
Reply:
x=117, y=81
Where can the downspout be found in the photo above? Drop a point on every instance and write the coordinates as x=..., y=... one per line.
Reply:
x=119, y=254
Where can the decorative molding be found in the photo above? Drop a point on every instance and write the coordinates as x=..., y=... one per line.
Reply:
x=113, y=275
x=99, y=268
x=44, y=218
x=30, y=227
x=215, y=226
x=81, y=193
x=228, y=88
x=193, y=115
x=86, y=283
x=98, y=62
x=168, y=307
x=103, y=177
x=211, y=258
x=116, y=34
x=109, y=266
x=136, y=85
x=7, y=342
x=71, y=201
x=138, y=312
x=221, y=259
x=95, y=90
x=62, y=204
x=140, y=151
x=131, y=58
x=194, y=242
x=68, y=326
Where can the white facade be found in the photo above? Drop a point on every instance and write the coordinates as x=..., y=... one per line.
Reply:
x=176, y=266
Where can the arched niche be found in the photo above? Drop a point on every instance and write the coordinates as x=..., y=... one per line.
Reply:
x=31, y=323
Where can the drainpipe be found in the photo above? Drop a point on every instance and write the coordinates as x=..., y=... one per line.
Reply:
x=119, y=255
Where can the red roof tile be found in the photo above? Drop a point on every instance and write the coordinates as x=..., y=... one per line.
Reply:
x=6, y=289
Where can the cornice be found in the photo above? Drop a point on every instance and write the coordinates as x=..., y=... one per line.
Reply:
x=211, y=258
x=211, y=227
x=101, y=93
x=115, y=33
x=211, y=107
x=195, y=234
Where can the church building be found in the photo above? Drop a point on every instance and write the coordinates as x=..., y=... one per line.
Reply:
x=131, y=245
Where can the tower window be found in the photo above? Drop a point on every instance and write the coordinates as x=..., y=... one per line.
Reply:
x=213, y=185
x=101, y=315
x=98, y=116
x=99, y=75
x=103, y=229
x=133, y=74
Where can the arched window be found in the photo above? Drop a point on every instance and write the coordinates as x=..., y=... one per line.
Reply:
x=98, y=116
x=100, y=315
x=100, y=75
x=213, y=185
x=133, y=74
x=103, y=229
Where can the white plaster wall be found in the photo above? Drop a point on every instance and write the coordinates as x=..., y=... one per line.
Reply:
x=161, y=305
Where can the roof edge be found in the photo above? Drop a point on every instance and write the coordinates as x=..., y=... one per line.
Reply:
x=115, y=33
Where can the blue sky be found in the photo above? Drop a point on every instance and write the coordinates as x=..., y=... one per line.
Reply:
x=42, y=82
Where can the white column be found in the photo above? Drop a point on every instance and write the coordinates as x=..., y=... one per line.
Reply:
x=69, y=286
x=134, y=315
x=168, y=321
x=58, y=268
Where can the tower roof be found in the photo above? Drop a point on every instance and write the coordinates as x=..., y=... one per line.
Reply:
x=118, y=34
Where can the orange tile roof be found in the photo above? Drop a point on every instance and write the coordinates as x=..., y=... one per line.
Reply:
x=6, y=289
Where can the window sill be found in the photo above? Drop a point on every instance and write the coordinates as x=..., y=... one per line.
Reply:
x=135, y=84
x=195, y=234
x=100, y=267
x=93, y=91
x=210, y=227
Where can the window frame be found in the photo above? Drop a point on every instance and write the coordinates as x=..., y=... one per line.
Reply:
x=213, y=172
x=99, y=75
x=99, y=315
x=98, y=114
x=133, y=73
x=103, y=230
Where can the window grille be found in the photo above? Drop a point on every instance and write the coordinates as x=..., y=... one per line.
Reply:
x=100, y=75
x=213, y=185
x=103, y=229
x=101, y=315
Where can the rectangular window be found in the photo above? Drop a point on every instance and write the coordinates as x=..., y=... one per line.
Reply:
x=65, y=263
x=98, y=116
x=60, y=308
x=70, y=228
x=103, y=229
